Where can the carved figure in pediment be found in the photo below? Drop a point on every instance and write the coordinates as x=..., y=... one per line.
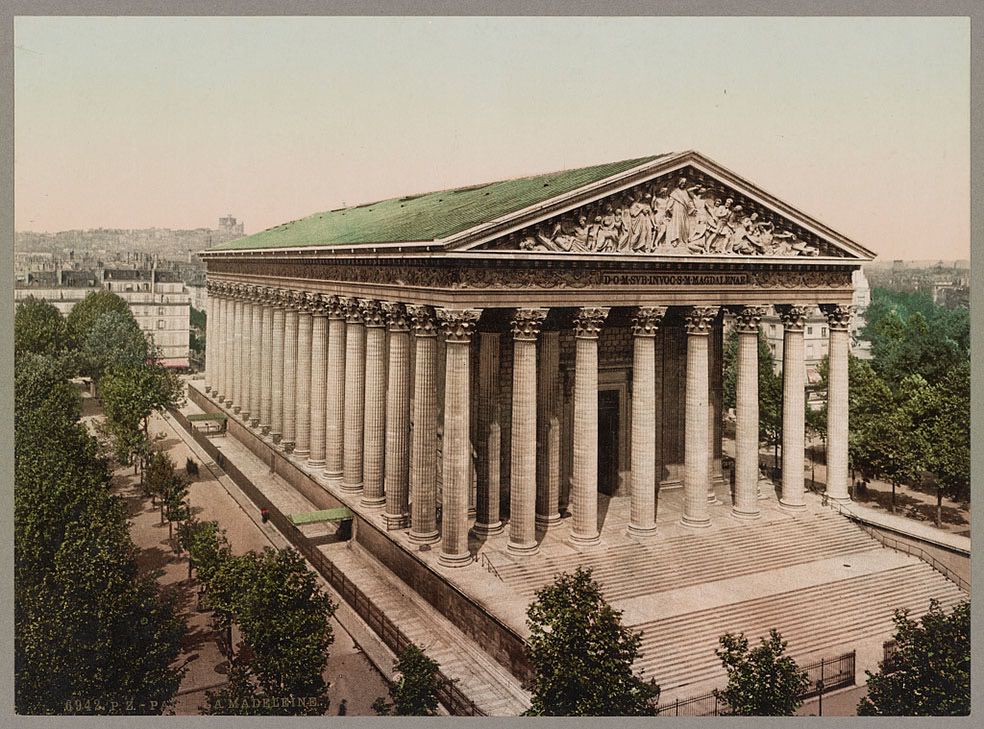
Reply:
x=661, y=217
x=606, y=232
x=681, y=208
x=719, y=230
x=640, y=227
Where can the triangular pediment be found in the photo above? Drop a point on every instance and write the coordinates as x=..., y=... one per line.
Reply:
x=683, y=207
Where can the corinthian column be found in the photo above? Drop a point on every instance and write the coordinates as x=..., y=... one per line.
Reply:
x=488, y=433
x=375, y=405
x=209, y=329
x=793, y=407
x=642, y=511
x=319, y=373
x=335, y=405
x=215, y=348
x=355, y=381
x=458, y=326
x=423, y=447
x=584, y=479
x=747, y=413
x=247, y=361
x=548, y=431
x=266, y=361
x=838, y=322
x=397, y=461
x=302, y=415
x=522, y=494
x=293, y=303
x=237, y=341
x=256, y=345
x=228, y=344
x=697, y=438
x=278, y=350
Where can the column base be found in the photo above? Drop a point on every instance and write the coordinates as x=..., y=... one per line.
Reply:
x=350, y=488
x=333, y=478
x=844, y=499
x=702, y=523
x=301, y=455
x=545, y=522
x=395, y=522
x=523, y=549
x=788, y=506
x=641, y=532
x=455, y=560
x=471, y=513
x=425, y=537
x=746, y=515
x=488, y=530
x=712, y=498
x=373, y=503
x=584, y=540
x=316, y=462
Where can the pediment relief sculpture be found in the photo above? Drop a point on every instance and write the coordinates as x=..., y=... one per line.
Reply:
x=685, y=215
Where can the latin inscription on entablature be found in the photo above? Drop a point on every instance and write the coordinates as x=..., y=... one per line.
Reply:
x=501, y=277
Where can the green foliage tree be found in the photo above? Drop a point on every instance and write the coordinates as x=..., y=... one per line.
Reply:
x=582, y=655
x=115, y=341
x=39, y=328
x=130, y=394
x=206, y=545
x=415, y=694
x=239, y=697
x=762, y=681
x=929, y=673
x=92, y=635
x=84, y=314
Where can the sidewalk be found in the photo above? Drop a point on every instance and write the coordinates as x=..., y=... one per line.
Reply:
x=351, y=675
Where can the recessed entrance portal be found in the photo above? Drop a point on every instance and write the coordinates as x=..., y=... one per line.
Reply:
x=608, y=445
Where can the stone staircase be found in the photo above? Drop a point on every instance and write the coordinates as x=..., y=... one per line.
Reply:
x=679, y=650
x=666, y=563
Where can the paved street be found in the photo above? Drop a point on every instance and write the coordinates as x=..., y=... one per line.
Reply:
x=352, y=677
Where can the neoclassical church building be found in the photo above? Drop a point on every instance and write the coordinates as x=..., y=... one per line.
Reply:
x=531, y=370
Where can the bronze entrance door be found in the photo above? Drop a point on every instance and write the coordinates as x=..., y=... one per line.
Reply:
x=608, y=426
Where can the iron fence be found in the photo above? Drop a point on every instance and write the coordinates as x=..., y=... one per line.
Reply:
x=825, y=675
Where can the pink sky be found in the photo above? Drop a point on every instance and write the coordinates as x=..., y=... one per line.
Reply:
x=172, y=122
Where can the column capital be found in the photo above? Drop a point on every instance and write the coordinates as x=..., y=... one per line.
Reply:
x=252, y=293
x=397, y=317
x=700, y=319
x=319, y=305
x=423, y=320
x=335, y=306
x=293, y=300
x=838, y=316
x=588, y=321
x=526, y=324
x=353, y=312
x=211, y=286
x=793, y=316
x=458, y=325
x=372, y=313
x=646, y=321
x=747, y=318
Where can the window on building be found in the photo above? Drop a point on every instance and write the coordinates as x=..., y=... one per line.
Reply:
x=809, y=331
x=160, y=323
x=160, y=310
x=823, y=331
x=772, y=329
x=128, y=287
x=809, y=351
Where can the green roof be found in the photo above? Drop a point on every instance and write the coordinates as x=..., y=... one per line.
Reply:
x=429, y=216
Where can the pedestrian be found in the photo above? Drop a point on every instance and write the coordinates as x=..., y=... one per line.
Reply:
x=264, y=515
x=343, y=707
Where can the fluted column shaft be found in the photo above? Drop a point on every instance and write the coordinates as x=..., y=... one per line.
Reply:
x=423, y=447
x=355, y=381
x=290, y=374
x=373, y=456
x=239, y=334
x=747, y=413
x=458, y=326
x=487, y=446
x=793, y=407
x=247, y=361
x=256, y=345
x=216, y=349
x=522, y=494
x=547, y=440
x=397, y=462
x=319, y=374
x=302, y=416
x=277, y=341
x=838, y=322
x=266, y=364
x=335, y=405
x=642, y=505
x=584, y=479
x=229, y=348
x=697, y=438
x=209, y=327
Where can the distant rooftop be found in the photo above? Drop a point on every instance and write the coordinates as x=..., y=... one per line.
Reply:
x=428, y=216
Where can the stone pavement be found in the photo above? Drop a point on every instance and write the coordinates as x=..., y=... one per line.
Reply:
x=351, y=675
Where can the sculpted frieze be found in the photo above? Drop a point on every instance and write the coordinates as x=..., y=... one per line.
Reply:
x=681, y=215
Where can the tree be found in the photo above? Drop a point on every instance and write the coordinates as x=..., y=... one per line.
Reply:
x=39, y=328
x=415, y=694
x=929, y=673
x=582, y=655
x=84, y=314
x=206, y=545
x=114, y=341
x=762, y=681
